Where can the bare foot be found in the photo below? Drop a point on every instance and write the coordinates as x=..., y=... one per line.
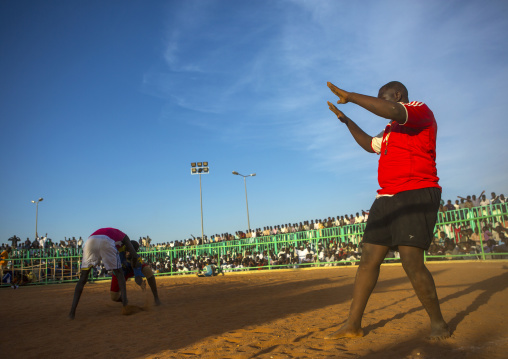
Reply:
x=346, y=332
x=439, y=332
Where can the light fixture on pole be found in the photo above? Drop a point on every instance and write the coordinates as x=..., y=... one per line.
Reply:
x=36, y=214
x=246, y=200
x=198, y=168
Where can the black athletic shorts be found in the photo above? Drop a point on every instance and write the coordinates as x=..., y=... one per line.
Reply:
x=405, y=219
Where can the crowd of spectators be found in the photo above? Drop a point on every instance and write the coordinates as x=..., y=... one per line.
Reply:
x=326, y=253
x=461, y=236
x=339, y=221
x=288, y=228
x=455, y=237
x=44, y=243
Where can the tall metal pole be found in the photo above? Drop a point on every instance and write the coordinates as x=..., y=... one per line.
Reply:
x=246, y=201
x=198, y=168
x=36, y=215
x=201, y=199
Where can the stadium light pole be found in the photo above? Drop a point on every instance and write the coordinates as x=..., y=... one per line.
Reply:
x=200, y=168
x=36, y=214
x=246, y=200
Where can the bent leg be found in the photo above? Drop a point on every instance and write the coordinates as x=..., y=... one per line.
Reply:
x=425, y=288
x=366, y=279
x=77, y=292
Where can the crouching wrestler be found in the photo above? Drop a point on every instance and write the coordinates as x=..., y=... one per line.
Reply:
x=137, y=271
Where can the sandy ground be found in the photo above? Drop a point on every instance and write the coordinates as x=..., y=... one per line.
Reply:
x=278, y=314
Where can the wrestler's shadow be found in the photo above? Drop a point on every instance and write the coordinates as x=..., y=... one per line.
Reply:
x=486, y=289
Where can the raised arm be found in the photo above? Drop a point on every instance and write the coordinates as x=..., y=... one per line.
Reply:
x=363, y=139
x=385, y=105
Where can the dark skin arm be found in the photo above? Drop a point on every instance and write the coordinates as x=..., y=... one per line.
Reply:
x=363, y=139
x=128, y=245
x=385, y=105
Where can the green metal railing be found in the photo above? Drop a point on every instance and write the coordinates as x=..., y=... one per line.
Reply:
x=62, y=264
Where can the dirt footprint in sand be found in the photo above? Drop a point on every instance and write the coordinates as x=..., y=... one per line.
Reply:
x=131, y=309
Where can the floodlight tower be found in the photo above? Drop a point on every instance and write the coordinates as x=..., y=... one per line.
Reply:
x=200, y=168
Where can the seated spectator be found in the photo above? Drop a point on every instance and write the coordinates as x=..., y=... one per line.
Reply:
x=321, y=253
x=489, y=246
x=182, y=269
x=436, y=249
x=329, y=257
x=465, y=235
x=301, y=253
x=308, y=259
x=487, y=234
x=450, y=248
x=493, y=246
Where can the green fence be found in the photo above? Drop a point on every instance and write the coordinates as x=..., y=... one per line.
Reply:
x=62, y=265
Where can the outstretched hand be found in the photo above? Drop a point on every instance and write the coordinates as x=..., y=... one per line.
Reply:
x=341, y=94
x=340, y=115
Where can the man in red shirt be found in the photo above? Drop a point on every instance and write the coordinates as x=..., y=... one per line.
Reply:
x=404, y=213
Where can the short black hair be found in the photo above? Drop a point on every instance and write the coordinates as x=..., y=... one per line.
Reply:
x=397, y=86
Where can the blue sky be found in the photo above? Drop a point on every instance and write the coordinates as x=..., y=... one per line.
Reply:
x=104, y=105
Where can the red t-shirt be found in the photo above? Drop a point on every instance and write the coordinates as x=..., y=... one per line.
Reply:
x=116, y=235
x=408, y=152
